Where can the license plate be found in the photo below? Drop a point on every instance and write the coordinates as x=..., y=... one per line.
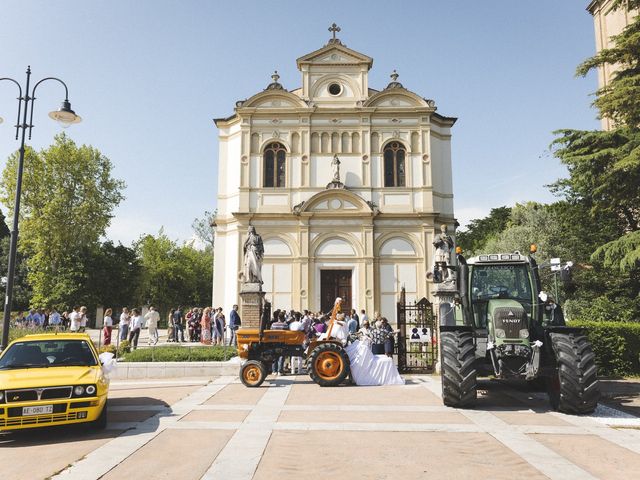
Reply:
x=39, y=410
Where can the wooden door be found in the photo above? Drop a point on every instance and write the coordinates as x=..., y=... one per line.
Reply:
x=333, y=284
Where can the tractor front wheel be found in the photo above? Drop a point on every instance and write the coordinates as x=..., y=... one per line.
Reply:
x=252, y=373
x=329, y=365
x=459, y=376
x=574, y=388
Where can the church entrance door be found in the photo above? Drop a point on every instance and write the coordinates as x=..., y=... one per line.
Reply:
x=333, y=284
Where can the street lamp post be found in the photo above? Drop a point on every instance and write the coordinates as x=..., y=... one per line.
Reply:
x=65, y=116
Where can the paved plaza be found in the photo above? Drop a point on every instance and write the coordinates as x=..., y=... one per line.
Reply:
x=290, y=428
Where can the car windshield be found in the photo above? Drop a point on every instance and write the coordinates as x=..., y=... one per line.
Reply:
x=48, y=353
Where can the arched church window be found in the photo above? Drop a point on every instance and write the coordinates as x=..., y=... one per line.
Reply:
x=274, y=165
x=394, y=165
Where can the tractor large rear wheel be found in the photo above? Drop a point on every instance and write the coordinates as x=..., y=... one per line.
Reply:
x=328, y=365
x=252, y=373
x=574, y=388
x=459, y=376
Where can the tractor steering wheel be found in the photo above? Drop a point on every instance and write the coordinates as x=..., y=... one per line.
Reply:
x=499, y=289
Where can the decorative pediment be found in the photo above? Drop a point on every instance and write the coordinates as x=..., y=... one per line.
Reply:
x=397, y=97
x=273, y=99
x=337, y=54
x=336, y=202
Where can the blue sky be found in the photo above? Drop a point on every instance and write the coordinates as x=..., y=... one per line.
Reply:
x=148, y=77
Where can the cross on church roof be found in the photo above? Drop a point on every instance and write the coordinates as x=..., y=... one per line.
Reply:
x=333, y=29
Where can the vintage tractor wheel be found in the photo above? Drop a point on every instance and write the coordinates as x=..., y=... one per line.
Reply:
x=328, y=365
x=252, y=373
x=459, y=376
x=574, y=388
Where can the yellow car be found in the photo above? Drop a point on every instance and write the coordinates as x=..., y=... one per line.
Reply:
x=52, y=379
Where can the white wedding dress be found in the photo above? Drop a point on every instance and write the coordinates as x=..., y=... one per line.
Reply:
x=370, y=369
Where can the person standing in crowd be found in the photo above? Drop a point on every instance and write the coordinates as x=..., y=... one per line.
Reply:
x=389, y=342
x=352, y=324
x=170, y=325
x=365, y=331
x=54, y=319
x=75, y=319
x=178, y=327
x=205, y=324
x=378, y=336
x=20, y=320
x=125, y=321
x=107, y=328
x=296, y=361
x=234, y=324
x=277, y=367
x=152, y=317
x=218, y=327
x=83, y=319
x=65, y=320
x=136, y=325
x=363, y=317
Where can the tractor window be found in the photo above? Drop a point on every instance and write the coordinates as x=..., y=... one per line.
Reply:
x=499, y=281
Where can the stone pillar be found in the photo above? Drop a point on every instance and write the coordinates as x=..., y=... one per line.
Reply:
x=251, y=302
x=444, y=304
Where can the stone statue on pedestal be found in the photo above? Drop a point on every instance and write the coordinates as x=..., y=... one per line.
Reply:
x=335, y=169
x=253, y=256
x=443, y=244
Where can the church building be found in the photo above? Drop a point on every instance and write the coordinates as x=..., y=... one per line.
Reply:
x=347, y=185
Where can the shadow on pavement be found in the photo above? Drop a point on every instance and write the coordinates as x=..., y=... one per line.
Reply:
x=80, y=432
x=621, y=394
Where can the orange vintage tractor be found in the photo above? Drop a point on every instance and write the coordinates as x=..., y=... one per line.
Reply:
x=326, y=360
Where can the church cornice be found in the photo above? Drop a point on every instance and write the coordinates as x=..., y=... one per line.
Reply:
x=359, y=58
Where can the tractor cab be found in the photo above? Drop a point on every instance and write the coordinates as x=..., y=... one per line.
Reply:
x=503, y=296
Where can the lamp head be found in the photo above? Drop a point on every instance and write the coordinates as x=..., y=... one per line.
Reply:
x=64, y=115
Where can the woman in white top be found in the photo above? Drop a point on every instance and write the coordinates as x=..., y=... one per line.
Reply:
x=136, y=325
x=125, y=319
x=108, y=326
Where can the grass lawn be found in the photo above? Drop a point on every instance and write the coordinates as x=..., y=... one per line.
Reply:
x=176, y=353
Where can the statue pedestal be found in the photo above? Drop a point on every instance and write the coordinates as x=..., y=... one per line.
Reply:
x=251, y=302
x=445, y=303
x=335, y=184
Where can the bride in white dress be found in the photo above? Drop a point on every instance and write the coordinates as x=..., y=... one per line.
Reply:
x=370, y=369
x=366, y=368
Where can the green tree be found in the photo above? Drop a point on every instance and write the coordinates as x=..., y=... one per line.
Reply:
x=68, y=199
x=111, y=276
x=604, y=166
x=203, y=229
x=480, y=230
x=171, y=274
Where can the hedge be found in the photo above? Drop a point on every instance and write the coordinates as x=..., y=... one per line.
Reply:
x=616, y=345
x=174, y=353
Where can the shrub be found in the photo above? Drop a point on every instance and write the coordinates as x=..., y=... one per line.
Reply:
x=174, y=353
x=616, y=345
x=123, y=348
x=107, y=348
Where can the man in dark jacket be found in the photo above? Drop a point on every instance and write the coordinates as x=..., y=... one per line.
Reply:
x=234, y=324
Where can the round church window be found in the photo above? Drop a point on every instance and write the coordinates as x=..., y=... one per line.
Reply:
x=335, y=89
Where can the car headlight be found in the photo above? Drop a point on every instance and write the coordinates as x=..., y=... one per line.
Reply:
x=91, y=390
x=524, y=333
x=1, y=397
x=79, y=390
x=500, y=333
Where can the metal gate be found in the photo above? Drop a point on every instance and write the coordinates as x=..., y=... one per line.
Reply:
x=417, y=347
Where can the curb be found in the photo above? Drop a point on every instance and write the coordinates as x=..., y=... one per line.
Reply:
x=133, y=370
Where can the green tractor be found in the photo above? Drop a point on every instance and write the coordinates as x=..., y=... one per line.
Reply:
x=496, y=321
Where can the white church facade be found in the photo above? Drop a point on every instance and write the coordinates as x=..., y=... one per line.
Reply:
x=362, y=237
